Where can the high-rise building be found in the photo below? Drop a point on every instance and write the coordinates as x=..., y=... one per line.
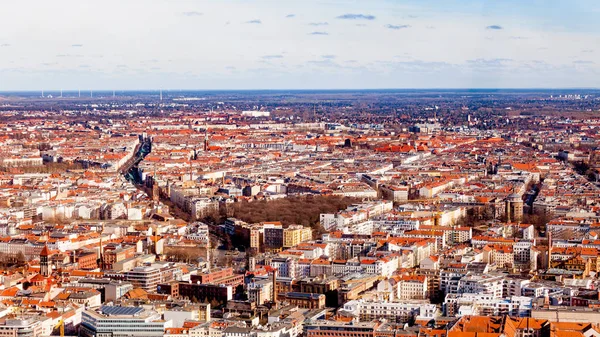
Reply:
x=121, y=321
x=273, y=236
x=146, y=278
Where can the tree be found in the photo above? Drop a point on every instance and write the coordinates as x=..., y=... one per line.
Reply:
x=21, y=259
x=240, y=293
x=538, y=219
x=301, y=210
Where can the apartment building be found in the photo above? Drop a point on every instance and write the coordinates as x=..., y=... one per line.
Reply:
x=412, y=287
x=486, y=305
x=273, y=237
x=395, y=312
x=260, y=291
x=295, y=234
x=480, y=284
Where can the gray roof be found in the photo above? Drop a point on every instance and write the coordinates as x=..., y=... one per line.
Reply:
x=128, y=311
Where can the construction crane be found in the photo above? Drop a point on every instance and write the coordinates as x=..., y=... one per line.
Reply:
x=437, y=218
x=61, y=327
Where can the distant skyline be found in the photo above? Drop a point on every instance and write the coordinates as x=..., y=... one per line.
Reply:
x=288, y=44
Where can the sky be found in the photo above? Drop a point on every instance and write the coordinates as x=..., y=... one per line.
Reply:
x=304, y=44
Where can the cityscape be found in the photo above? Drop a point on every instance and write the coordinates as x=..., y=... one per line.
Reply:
x=333, y=209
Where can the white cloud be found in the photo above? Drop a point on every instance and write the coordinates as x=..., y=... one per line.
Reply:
x=194, y=43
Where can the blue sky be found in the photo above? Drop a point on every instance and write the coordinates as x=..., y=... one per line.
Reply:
x=288, y=44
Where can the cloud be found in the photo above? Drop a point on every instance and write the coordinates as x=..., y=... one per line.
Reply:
x=77, y=45
x=482, y=63
x=289, y=16
x=192, y=13
x=494, y=27
x=356, y=17
x=488, y=61
x=397, y=27
x=270, y=57
x=587, y=51
x=69, y=55
x=258, y=22
x=536, y=65
x=318, y=24
x=5, y=45
x=404, y=56
x=418, y=66
x=324, y=63
x=583, y=62
x=318, y=33
x=518, y=38
x=328, y=56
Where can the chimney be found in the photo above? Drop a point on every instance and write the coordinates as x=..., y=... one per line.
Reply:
x=100, y=255
x=507, y=205
x=549, y=248
x=275, y=288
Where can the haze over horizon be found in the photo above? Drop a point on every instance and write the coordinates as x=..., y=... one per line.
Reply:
x=236, y=44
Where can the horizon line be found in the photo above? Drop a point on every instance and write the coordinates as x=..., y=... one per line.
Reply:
x=297, y=89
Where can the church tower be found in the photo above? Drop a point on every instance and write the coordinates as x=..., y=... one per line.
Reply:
x=206, y=141
x=100, y=259
x=44, y=263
